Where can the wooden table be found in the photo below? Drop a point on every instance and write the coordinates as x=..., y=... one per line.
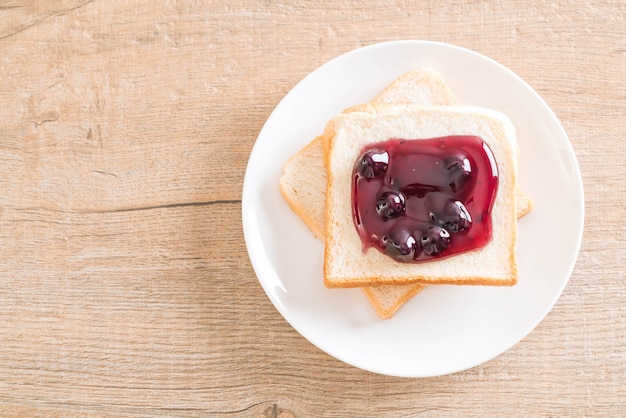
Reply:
x=125, y=286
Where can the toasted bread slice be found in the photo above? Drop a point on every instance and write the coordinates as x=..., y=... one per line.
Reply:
x=345, y=262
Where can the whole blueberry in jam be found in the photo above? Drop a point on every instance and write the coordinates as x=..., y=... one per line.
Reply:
x=435, y=240
x=372, y=163
x=459, y=169
x=455, y=217
x=422, y=199
x=402, y=245
x=390, y=204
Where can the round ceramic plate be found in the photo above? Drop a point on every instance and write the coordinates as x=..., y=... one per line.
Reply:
x=443, y=329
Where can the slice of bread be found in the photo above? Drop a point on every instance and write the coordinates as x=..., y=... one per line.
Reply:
x=345, y=262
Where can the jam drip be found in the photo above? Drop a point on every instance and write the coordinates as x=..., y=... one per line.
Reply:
x=418, y=200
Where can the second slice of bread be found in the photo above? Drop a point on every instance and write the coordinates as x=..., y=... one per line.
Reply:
x=345, y=262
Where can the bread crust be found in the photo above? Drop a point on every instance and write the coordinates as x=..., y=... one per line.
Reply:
x=394, y=273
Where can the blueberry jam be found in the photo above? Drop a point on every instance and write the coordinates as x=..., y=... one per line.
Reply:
x=418, y=200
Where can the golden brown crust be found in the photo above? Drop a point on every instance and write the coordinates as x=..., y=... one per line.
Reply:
x=424, y=280
x=329, y=132
x=327, y=136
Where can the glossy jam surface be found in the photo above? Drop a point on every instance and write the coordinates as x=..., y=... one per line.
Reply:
x=419, y=200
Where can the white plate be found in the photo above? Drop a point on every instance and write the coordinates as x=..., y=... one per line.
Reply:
x=444, y=329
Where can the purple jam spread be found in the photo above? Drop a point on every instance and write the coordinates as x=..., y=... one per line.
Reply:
x=418, y=200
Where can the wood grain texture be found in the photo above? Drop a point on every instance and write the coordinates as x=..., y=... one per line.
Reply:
x=125, y=287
